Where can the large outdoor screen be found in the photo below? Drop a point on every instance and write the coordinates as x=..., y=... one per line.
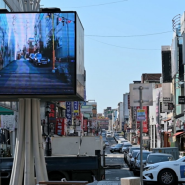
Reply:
x=37, y=54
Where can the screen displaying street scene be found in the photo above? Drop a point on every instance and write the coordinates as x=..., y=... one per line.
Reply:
x=37, y=53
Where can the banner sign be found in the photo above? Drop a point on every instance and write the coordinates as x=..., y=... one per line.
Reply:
x=141, y=115
x=68, y=113
x=75, y=108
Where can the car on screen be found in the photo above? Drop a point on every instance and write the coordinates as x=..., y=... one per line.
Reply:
x=32, y=57
x=40, y=60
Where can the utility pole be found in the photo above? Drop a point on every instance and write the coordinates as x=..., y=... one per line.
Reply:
x=141, y=137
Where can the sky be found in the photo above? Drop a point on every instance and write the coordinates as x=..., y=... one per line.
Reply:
x=21, y=24
x=112, y=63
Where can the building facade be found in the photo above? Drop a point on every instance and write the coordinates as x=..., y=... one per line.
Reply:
x=20, y=5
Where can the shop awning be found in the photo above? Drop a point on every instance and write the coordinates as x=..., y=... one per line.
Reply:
x=4, y=111
x=178, y=133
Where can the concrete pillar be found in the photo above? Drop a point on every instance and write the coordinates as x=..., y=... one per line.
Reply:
x=150, y=136
x=153, y=136
x=130, y=181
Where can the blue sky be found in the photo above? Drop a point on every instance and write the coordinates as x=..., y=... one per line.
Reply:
x=110, y=69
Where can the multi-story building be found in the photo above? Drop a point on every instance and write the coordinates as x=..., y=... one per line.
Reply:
x=20, y=5
x=120, y=116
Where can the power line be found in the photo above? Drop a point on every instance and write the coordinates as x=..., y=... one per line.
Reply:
x=114, y=2
x=144, y=35
x=124, y=46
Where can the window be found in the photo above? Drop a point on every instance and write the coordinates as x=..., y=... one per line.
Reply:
x=94, y=108
x=94, y=115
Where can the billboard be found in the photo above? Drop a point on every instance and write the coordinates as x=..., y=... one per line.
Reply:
x=38, y=55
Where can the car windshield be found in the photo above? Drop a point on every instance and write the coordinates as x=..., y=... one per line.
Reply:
x=145, y=155
x=127, y=146
x=158, y=158
x=131, y=149
x=134, y=154
x=119, y=145
x=182, y=159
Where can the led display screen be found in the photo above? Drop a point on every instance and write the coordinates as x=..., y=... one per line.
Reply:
x=37, y=53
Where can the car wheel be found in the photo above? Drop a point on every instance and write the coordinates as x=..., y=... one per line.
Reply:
x=167, y=177
x=135, y=173
x=130, y=169
x=111, y=151
x=120, y=151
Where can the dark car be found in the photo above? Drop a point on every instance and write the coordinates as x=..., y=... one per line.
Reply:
x=40, y=60
x=136, y=165
x=125, y=147
x=132, y=158
x=32, y=57
x=158, y=157
x=127, y=157
x=116, y=148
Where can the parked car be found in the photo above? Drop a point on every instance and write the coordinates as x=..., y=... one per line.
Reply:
x=109, y=135
x=127, y=157
x=106, y=143
x=136, y=165
x=116, y=148
x=125, y=147
x=165, y=173
x=32, y=57
x=40, y=60
x=158, y=157
x=123, y=141
x=132, y=158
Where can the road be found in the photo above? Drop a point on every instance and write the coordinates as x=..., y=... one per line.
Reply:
x=23, y=77
x=115, y=159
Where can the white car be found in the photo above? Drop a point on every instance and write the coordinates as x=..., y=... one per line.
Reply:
x=109, y=135
x=165, y=173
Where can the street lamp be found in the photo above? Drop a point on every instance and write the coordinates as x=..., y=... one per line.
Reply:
x=48, y=110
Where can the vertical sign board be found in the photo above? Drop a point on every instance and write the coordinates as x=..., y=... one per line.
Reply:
x=52, y=114
x=145, y=121
x=166, y=96
x=75, y=108
x=141, y=115
x=68, y=113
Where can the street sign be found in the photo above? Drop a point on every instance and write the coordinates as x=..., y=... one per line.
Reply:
x=181, y=99
x=141, y=115
x=147, y=94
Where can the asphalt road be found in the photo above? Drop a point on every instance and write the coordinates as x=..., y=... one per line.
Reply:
x=22, y=76
x=116, y=158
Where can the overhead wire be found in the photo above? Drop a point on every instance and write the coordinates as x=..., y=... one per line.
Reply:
x=124, y=46
x=114, y=2
x=142, y=35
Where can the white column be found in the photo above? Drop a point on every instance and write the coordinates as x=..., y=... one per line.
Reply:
x=153, y=136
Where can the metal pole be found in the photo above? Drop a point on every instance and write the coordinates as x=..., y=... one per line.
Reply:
x=48, y=153
x=141, y=140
